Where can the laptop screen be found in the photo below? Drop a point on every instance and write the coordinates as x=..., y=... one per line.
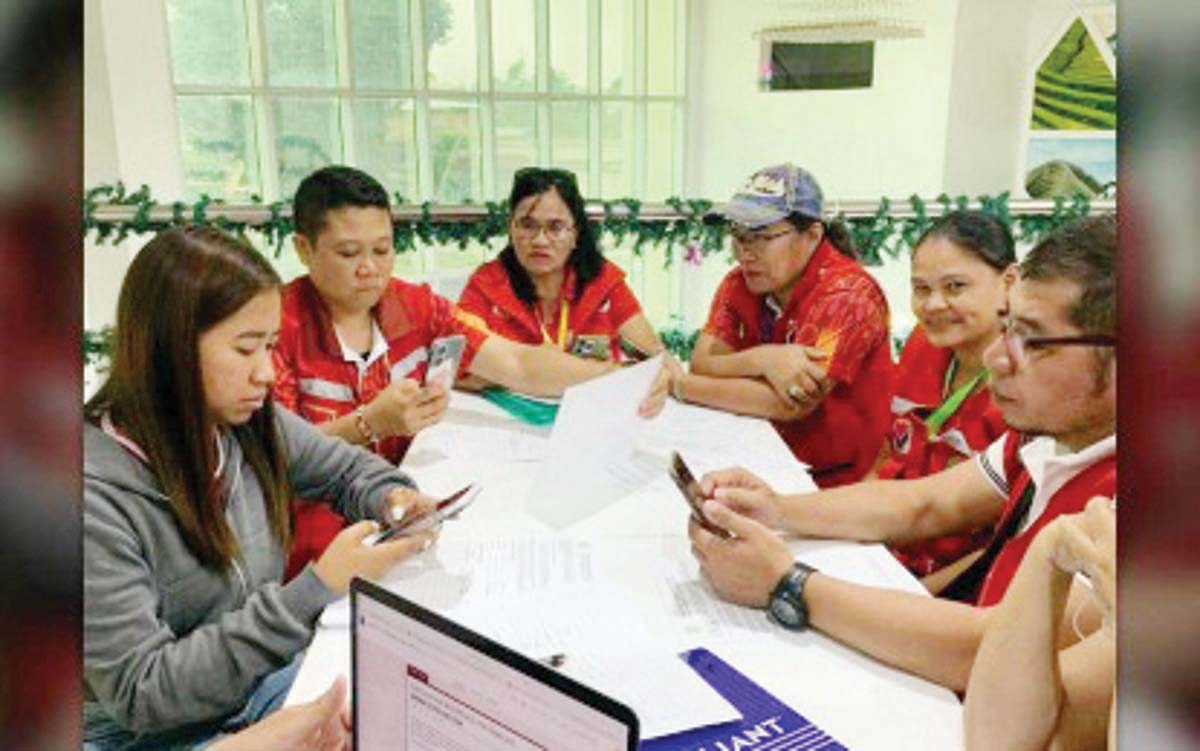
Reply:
x=421, y=682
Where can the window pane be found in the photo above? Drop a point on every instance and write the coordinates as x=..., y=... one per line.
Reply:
x=660, y=47
x=513, y=45
x=307, y=137
x=616, y=150
x=208, y=42
x=569, y=147
x=616, y=46
x=454, y=151
x=660, y=151
x=450, y=44
x=450, y=259
x=568, y=46
x=220, y=155
x=300, y=42
x=381, y=42
x=384, y=143
x=516, y=142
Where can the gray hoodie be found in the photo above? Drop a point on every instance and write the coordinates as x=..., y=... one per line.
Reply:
x=167, y=641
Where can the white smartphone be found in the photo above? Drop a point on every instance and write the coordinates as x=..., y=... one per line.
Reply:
x=444, y=356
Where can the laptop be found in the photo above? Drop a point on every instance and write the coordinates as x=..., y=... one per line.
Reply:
x=424, y=683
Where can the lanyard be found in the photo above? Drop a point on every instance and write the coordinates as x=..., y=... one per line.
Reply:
x=563, y=314
x=943, y=413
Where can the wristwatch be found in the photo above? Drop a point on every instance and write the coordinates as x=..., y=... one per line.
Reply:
x=786, y=606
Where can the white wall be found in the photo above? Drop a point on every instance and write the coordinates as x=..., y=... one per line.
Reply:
x=860, y=143
x=129, y=131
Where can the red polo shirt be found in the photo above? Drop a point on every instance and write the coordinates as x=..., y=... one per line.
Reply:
x=1064, y=489
x=592, y=320
x=834, y=300
x=914, y=453
x=314, y=380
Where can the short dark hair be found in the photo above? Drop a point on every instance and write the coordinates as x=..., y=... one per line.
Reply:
x=978, y=232
x=1083, y=252
x=181, y=284
x=585, y=258
x=330, y=188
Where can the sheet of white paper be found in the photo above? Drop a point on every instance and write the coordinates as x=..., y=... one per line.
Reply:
x=590, y=460
x=482, y=443
x=458, y=573
x=666, y=694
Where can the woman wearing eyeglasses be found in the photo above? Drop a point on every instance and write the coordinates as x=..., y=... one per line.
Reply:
x=942, y=411
x=550, y=285
x=798, y=331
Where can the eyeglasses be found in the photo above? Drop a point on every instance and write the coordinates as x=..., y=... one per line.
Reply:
x=1020, y=344
x=755, y=241
x=531, y=228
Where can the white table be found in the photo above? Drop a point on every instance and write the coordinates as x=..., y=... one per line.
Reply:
x=639, y=552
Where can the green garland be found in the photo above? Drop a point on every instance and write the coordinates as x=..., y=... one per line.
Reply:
x=876, y=236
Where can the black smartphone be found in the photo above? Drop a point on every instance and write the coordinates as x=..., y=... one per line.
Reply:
x=447, y=508
x=690, y=487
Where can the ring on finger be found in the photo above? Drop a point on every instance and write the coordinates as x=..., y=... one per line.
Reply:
x=795, y=392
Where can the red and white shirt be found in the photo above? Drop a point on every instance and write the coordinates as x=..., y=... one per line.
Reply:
x=591, y=324
x=1063, y=483
x=835, y=300
x=913, y=452
x=319, y=379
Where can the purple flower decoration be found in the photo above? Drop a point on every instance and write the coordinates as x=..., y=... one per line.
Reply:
x=692, y=255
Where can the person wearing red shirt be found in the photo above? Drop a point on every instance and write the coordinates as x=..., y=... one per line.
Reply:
x=1053, y=376
x=354, y=343
x=550, y=284
x=942, y=411
x=798, y=332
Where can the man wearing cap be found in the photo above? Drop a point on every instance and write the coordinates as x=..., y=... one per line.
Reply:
x=798, y=331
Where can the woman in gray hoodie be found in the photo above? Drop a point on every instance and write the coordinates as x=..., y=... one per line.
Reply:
x=188, y=471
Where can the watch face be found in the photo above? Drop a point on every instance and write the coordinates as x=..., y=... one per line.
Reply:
x=785, y=612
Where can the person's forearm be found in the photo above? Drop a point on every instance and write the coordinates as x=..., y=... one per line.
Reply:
x=934, y=639
x=877, y=511
x=742, y=364
x=1017, y=665
x=744, y=396
x=548, y=372
x=343, y=427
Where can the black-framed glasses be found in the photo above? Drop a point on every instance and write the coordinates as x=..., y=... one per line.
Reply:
x=1019, y=344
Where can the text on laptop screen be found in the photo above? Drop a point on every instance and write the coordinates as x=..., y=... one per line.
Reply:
x=421, y=690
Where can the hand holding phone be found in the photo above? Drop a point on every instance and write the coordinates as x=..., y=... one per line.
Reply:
x=692, y=493
x=447, y=508
x=444, y=356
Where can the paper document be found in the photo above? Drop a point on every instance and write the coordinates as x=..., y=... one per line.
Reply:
x=465, y=573
x=667, y=696
x=590, y=463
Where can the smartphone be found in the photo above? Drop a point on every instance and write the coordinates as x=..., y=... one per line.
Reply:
x=447, y=508
x=444, y=355
x=690, y=487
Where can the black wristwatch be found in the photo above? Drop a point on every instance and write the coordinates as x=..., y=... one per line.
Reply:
x=786, y=606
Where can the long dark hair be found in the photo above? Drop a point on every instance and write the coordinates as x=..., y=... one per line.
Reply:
x=181, y=284
x=979, y=233
x=836, y=232
x=585, y=258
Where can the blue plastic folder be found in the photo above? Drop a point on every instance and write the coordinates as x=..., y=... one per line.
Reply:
x=767, y=723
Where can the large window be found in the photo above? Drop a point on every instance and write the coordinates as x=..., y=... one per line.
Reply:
x=441, y=100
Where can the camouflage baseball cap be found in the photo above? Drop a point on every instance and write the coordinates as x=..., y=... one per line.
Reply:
x=771, y=194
